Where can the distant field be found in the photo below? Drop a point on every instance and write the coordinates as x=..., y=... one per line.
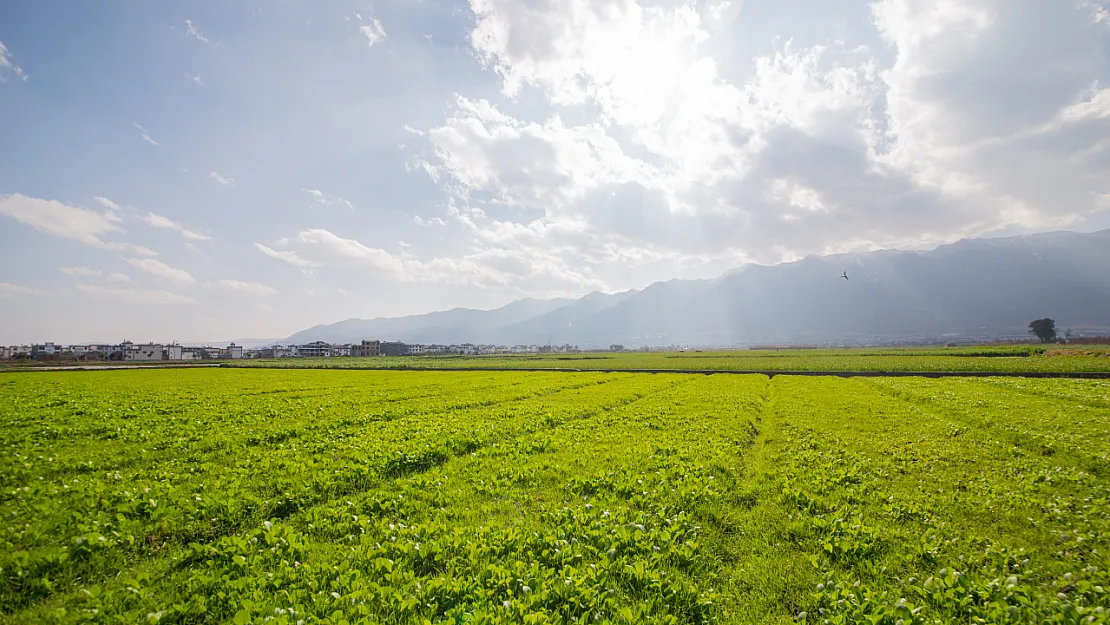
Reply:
x=251, y=496
x=1020, y=358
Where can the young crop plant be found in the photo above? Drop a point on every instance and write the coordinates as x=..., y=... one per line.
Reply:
x=404, y=497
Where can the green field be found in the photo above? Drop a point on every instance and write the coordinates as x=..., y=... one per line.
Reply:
x=1017, y=359
x=276, y=496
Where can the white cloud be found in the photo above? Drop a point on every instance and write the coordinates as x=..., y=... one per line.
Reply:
x=109, y=204
x=290, y=257
x=326, y=199
x=159, y=221
x=159, y=269
x=480, y=148
x=373, y=32
x=8, y=290
x=1099, y=10
x=192, y=31
x=146, y=135
x=130, y=248
x=8, y=67
x=83, y=272
x=252, y=288
x=632, y=60
x=86, y=272
x=528, y=270
x=195, y=78
x=221, y=179
x=983, y=112
x=133, y=296
x=71, y=222
x=959, y=130
x=434, y=221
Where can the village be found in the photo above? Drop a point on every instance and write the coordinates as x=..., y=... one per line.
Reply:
x=127, y=351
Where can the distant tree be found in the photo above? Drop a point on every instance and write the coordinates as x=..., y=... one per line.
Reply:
x=1044, y=329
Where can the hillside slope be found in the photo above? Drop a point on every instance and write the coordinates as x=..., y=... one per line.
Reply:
x=974, y=287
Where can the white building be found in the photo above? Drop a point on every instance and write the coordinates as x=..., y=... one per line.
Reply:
x=234, y=351
x=99, y=350
x=192, y=353
x=277, y=351
x=144, y=352
x=39, y=350
x=174, y=352
x=316, y=349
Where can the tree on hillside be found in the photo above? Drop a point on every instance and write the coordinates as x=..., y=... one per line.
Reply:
x=1045, y=329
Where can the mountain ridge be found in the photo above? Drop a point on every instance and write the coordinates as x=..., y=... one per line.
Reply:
x=971, y=287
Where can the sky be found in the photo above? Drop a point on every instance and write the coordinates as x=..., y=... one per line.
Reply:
x=209, y=170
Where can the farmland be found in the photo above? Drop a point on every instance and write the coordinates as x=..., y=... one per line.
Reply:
x=283, y=496
x=994, y=359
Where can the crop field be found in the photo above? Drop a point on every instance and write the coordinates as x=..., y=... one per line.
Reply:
x=285, y=496
x=1016, y=359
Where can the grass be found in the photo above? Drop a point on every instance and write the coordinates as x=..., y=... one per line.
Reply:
x=983, y=359
x=1017, y=358
x=247, y=495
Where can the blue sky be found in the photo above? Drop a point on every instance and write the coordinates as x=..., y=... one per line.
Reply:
x=212, y=170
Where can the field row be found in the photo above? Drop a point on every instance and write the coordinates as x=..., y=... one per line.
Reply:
x=250, y=496
x=1016, y=359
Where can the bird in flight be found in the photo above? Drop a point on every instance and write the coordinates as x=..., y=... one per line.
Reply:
x=844, y=275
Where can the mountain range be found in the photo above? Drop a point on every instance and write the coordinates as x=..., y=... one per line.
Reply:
x=971, y=288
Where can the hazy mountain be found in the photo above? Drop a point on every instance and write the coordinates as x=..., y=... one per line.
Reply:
x=974, y=287
x=437, y=327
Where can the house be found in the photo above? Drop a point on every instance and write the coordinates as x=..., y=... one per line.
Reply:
x=174, y=352
x=119, y=351
x=316, y=349
x=192, y=353
x=394, y=348
x=366, y=349
x=277, y=351
x=92, y=351
x=234, y=351
x=464, y=349
x=44, y=350
x=417, y=350
x=340, y=351
x=88, y=352
x=144, y=352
